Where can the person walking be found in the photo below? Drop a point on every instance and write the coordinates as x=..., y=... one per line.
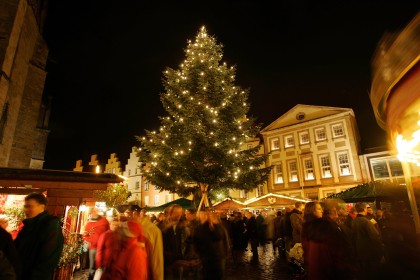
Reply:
x=367, y=243
x=93, y=230
x=40, y=242
x=212, y=245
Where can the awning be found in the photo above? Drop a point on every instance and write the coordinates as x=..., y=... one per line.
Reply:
x=183, y=202
x=375, y=191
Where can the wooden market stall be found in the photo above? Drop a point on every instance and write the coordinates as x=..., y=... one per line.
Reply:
x=272, y=200
x=228, y=204
x=62, y=188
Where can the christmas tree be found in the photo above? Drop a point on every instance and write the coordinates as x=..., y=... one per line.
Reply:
x=200, y=144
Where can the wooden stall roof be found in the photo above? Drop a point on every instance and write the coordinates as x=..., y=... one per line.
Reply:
x=272, y=200
x=61, y=187
x=229, y=204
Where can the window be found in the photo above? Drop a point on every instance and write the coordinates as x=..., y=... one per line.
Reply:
x=379, y=168
x=278, y=174
x=293, y=175
x=386, y=168
x=146, y=200
x=304, y=138
x=320, y=134
x=343, y=163
x=137, y=185
x=167, y=198
x=337, y=130
x=243, y=194
x=289, y=141
x=259, y=191
x=156, y=201
x=146, y=186
x=309, y=168
x=396, y=167
x=325, y=166
x=275, y=144
x=156, y=188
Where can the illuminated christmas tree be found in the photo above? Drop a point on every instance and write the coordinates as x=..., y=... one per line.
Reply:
x=200, y=144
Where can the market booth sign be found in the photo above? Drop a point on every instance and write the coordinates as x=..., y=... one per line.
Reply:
x=273, y=200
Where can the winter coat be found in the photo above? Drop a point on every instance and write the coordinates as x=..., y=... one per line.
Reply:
x=366, y=241
x=109, y=243
x=326, y=251
x=39, y=245
x=154, y=248
x=296, y=220
x=9, y=250
x=129, y=264
x=93, y=229
x=212, y=246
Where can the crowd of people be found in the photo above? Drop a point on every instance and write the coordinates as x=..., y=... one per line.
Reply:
x=355, y=244
x=184, y=244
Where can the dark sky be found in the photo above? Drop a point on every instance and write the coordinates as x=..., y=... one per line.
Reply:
x=107, y=57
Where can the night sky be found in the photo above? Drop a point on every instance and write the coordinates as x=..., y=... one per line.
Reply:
x=107, y=57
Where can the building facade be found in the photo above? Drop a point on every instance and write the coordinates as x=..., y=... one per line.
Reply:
x=314, y=151
x=23, y=56
x=134, y=178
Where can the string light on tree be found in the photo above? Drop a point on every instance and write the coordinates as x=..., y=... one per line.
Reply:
x=202, y=146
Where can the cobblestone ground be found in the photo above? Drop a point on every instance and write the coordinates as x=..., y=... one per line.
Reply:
x=270, y=265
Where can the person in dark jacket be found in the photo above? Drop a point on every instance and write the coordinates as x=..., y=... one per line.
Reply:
x=212, y=245
x=252, y=234
x=40, y=242
x=367, y=243
x=8, y=247
x=325, y=249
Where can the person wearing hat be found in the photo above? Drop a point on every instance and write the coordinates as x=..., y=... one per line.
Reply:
x=130, y=263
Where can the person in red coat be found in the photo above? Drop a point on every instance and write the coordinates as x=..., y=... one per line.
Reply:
x=109, y=243
x=93, y=230
x=131, y=261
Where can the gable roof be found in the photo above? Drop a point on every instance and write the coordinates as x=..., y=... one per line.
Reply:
x=307, y=112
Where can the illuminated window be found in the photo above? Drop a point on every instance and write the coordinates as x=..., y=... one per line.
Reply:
x=325, y=166
x=309, y=168
x=156, y=202
x=337, y=130
x=146, y=200
x=386, y=168
x=275, y=144
x=320, y=134
x=343, y=163
x=278, y=174
x=243, y=194
x=289, y=141
x=293, y=173
x=304, y=138
x=146, y=186
x=167, y=198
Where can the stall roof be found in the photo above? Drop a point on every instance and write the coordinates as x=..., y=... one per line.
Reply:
x=273, y=200
x=375, y=191
x=229, y=204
